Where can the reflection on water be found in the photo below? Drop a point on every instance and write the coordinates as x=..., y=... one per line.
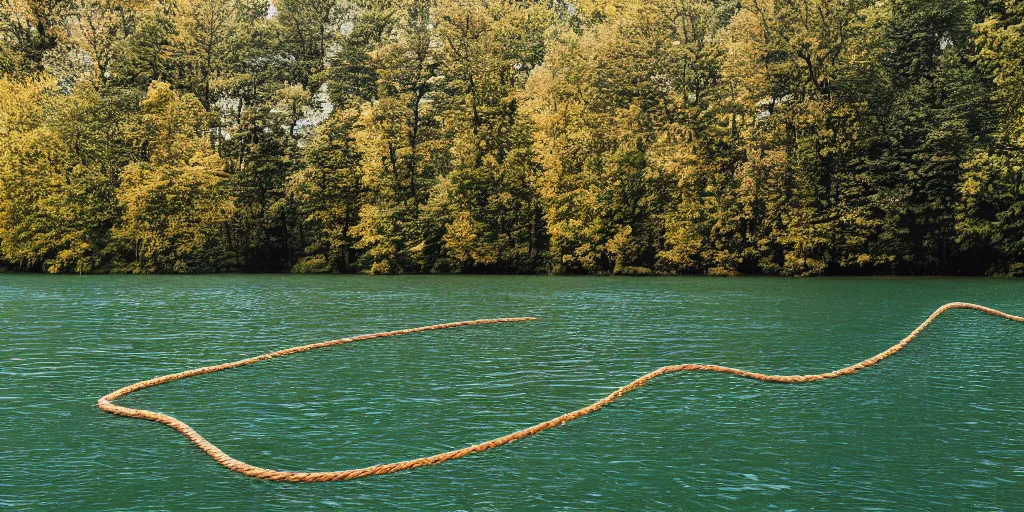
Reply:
x=936, y=427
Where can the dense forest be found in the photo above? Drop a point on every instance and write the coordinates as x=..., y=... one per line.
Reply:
x=791, y=137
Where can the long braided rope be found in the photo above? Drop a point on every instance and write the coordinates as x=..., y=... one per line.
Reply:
x=224, y=459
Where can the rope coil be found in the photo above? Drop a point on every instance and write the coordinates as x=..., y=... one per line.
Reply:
x=105, y=403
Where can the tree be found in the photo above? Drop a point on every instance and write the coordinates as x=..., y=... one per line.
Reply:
x=55, y=201
x=175, y=201
x=794, y=137
x=925, y=108
x=485, y=214
x=308, y=29
x=206, y=35
x=990, y=218
x=328, y=195
x=103, y=29
x=401, y=147
x=29, y=29
x=791, y=61
x=608, y=106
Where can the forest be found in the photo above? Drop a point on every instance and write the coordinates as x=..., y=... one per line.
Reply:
x=633, y=137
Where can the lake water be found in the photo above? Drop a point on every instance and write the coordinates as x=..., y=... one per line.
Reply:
x=936, y=427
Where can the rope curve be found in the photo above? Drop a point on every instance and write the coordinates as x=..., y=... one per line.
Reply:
x=105, y=403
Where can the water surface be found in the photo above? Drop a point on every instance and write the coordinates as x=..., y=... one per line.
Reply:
x=938, y=427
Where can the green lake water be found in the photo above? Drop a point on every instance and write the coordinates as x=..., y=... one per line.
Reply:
x=937, y=427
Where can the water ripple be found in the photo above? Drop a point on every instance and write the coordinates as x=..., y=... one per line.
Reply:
x=937, y=427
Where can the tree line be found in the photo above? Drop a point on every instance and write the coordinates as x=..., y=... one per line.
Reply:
x=787, y=137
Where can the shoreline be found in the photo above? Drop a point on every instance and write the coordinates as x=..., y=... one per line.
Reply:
x=537, y=275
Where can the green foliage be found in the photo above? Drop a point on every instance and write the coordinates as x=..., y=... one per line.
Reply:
x=617, y=110
x=990, y=218
x=176, y=205
x=30, y=30
x=55, y=199
x=328, y=194
x=792, y=137
x=489, y=196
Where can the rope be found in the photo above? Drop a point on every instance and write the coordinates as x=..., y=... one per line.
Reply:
x=224, y=459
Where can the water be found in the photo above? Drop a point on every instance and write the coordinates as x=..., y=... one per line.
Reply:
x=936, y=427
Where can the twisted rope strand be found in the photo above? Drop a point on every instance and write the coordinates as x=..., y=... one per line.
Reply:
x=105, y=403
